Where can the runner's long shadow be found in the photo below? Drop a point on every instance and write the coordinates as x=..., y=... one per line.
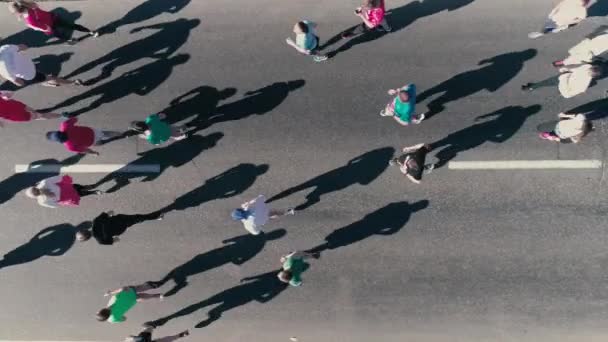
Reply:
x=33, y=38
x=363, y=170
x=51, y=241
x=398, y=18
x=21, y=181
x=227, y=184
x=168, y=38
x=598, y=9
x=495, y=73
x=236, y=250
x=196, y=104
x=140, y=81
x=255, y=102
x=261, y=288
x=174, y=155
x=387, y=220
x=504, y=124
x=144, y=11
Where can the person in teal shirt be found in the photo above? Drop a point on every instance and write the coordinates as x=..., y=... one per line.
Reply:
x=156, y=131
x=123, y=300
x=293, y=267
x=403, y=106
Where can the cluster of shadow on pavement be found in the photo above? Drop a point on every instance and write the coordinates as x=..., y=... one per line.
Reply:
x=499, y=126
x=398, y=18
x=262, y=288
x=145, y=11
x=200, y=106
x=140, y=81
x=18, y=182
x=360, y=170
x=51, y=241
x=167, y=39
x=495, y=73
x=173, y=155
x=236, y=250
x=599, y=8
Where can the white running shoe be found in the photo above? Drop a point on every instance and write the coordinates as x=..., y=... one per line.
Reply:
x=534, y=35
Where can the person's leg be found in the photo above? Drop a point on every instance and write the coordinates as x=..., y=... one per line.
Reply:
x=60, y=22
x=54, y=81
x=42, y=116
x=278, y=213
x=549, y=82
x=102, y=136
x=177, y=133
x=359, y=29
x=85, y=190
x=174, y=337
x=145, y=296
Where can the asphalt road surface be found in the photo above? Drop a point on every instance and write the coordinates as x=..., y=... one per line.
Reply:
x=495, y=255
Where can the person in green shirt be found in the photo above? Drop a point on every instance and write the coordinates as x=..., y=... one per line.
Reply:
x=123, y=299
x=293, y=266
x=403, y=106
x=156, y=131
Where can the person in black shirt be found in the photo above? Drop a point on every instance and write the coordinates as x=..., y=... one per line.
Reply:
x=411, y=162
x=146, y=336
x=107, y=226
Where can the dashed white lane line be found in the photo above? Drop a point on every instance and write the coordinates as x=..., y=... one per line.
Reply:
x=87, y=168
x=525, y=164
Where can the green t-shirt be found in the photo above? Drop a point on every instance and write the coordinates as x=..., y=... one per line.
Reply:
x=159, y=130
x=296, y=267
x=120, y=304
x=404, y=110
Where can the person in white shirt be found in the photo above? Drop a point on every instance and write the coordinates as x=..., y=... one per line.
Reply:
x=20, y=70
x=570, y=126
x=586, y=51
x=571, y=81
x=566, y=14
x=255, y=213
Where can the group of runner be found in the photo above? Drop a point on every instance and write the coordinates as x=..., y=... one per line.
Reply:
x=576, y=74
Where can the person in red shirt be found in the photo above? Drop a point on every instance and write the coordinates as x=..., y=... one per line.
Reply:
x=372, y=13
x=47, y=22
x=79, y=139
x=15, y=111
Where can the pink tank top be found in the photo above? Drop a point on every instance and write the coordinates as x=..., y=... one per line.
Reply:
x=40, y=20
x=67, y=194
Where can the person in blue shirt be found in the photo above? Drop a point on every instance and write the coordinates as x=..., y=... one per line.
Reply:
x=307, y=41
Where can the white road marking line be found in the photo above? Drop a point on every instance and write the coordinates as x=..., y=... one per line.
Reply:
x=525, y=164
x=87, y=168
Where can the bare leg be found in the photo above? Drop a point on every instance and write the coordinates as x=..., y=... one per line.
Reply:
x=42, y=116
x=145, y=296
x=143, y=287
x=55, y=81
x=174, y=337
x=177, y=132
x=278, y=213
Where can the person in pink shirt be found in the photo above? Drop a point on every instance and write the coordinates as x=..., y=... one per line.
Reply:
x=372, y=13
x=47, y=22
x=79, y=139
x=59, y=191
x=15, y=111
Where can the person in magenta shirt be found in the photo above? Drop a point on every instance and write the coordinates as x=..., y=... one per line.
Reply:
x=47, y=22
x=15, y=111
x=79, y=139
x=59, y=191
x=372, y=13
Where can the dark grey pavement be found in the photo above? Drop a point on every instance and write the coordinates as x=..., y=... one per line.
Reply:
x=464, y=256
